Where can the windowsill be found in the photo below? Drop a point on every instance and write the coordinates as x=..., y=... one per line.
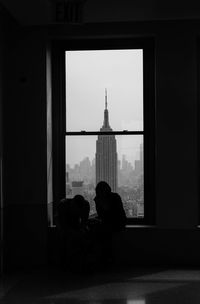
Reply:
x=159, y=228
x=127, y=226
x=146, y=227
x=140, y=226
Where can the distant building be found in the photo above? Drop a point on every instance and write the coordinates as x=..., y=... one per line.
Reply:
x=139, y=163
x=85, y=169
x=77, y=188
x=106, y=154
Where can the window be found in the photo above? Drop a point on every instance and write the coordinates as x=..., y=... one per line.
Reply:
x=103, y=109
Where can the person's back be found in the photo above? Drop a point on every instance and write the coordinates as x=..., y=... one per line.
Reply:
x=67, y=216
x=83, y=210
x=109, y=207
x=72, y=216
x=112, y=219
x=117, y=215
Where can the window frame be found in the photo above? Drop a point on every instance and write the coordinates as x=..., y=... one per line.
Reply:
x=59, y=113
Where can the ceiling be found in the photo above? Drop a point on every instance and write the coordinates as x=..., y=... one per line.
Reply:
x=41, y=12
x=29, y=12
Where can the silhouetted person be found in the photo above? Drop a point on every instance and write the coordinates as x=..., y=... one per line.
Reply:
x=111, y=219
x=72, y=213
x=109, y=207
x=83, y=209
x=72, y=216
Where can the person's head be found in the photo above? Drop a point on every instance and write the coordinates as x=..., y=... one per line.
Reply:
x=78, y=198
x=62, y=207
x=102, y=189
x=83, y=206
x=63, y=212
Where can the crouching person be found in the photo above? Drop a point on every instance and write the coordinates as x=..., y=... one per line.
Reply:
x=71, y=221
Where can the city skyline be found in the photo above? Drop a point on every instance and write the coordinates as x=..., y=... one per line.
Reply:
x=82, y=179
x=131, y=145
x=92, y=160
x=86, y=169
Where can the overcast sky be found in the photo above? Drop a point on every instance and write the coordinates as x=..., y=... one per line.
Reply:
x=88, y=73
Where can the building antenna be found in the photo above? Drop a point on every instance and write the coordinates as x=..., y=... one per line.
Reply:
x=106, y=99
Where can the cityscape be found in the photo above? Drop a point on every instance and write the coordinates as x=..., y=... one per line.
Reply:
x=123, y=177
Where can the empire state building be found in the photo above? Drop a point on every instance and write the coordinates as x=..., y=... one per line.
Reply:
x=106, y=154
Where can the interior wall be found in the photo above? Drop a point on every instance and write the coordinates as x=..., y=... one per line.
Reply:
x=176, y=111
x=49, y=135
x=141, y=10
x=6, y=22
x=174, y=239
x=1, y=146
x=25, y=149
x=25, y=143
x=176, y=88
x=41, y=12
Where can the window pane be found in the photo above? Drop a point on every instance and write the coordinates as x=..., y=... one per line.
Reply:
x=104, y=78
x=117, y=159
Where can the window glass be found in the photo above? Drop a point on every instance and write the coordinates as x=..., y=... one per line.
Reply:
x=117, y=159
x=89, y=73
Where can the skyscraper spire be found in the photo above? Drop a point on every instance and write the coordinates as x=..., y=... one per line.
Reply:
x=106, y=99
x=106, y=125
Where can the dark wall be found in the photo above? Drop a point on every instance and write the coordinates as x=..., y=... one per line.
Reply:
x=44, y=12
x=176, y=89
x=176, y=111
x=25, y=142
x=154, y=246
x=1, y=144
x=128, y=10
x=25, y=149
x=6, y=23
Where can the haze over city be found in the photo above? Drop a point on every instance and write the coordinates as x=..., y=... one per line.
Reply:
x=88, y=73
x=107, y=87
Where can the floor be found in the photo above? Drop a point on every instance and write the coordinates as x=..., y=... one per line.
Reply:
x=147, y=286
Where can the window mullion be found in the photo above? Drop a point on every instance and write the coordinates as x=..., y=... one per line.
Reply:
x=80, y=133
